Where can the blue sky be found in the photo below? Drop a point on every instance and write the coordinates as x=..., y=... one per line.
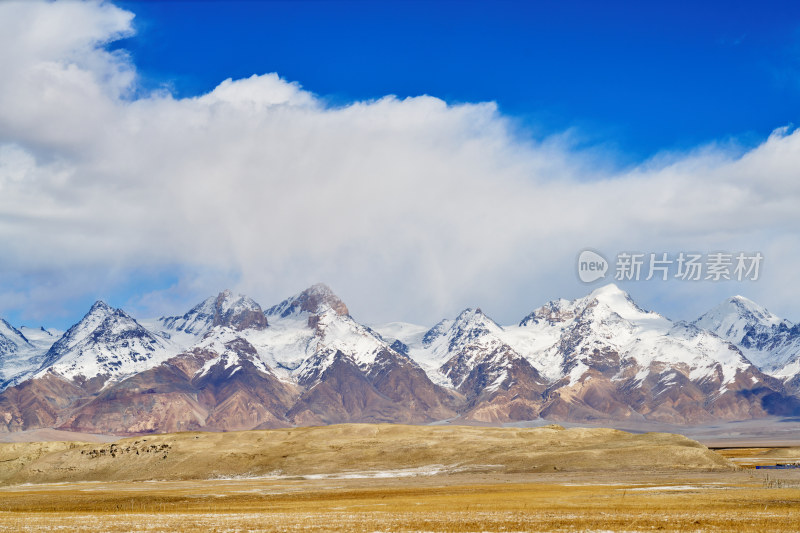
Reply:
x=519, y=134
x=635, y=77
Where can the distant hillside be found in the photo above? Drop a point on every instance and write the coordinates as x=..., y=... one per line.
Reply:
x=353, y=450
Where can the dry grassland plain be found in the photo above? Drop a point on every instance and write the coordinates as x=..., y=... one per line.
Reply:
x=396, y=478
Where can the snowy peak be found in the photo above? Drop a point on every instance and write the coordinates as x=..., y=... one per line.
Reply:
x=472, y=324
x=607, y=333
x=468, y=326
x=22, y=350
x=230, y=352
x=336, y=336
x=733, y=318
x=767, y=340
x=238, y=312
x=16, y=351
x=451, y=349
x=471, y=328
x=604, y=303
x=90, y=323
x=97, y=321
x=97, y=313
x=470, y=316
x=617, y=301
x=314, y=300
x=11, y=339
x=106, y=343
x=101, y=308
x=310, y=331
x=551, y=313
x=195, y=322
x=609, y=291
x=436, y=331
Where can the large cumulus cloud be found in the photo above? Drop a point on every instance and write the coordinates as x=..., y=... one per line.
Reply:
x=411, y=208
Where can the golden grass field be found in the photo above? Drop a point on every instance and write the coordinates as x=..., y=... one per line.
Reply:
x=601, y=483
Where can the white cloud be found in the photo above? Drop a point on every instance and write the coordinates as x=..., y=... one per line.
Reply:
x=256, y=93
x=411, y=208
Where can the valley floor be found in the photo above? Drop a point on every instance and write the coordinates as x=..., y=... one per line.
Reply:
x=742, y=500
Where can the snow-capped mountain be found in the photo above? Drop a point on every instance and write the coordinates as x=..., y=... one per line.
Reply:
x=600, y=356
x=238, y=312
x=452, y=348
x=310, y=329
x=607, y=323
x=298, y=337
x=770, y=342
x=11, y=339
x=23, y=350
x=349, y=370
x=227, y=364
x=107, y=344
x=313, y=300
x=137, y=380
x=16, y=351
x=311, y=364
x=635, y=363
x=220, y=384
x=470, y=355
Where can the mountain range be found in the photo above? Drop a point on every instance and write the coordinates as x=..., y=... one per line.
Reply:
x=229, y=364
